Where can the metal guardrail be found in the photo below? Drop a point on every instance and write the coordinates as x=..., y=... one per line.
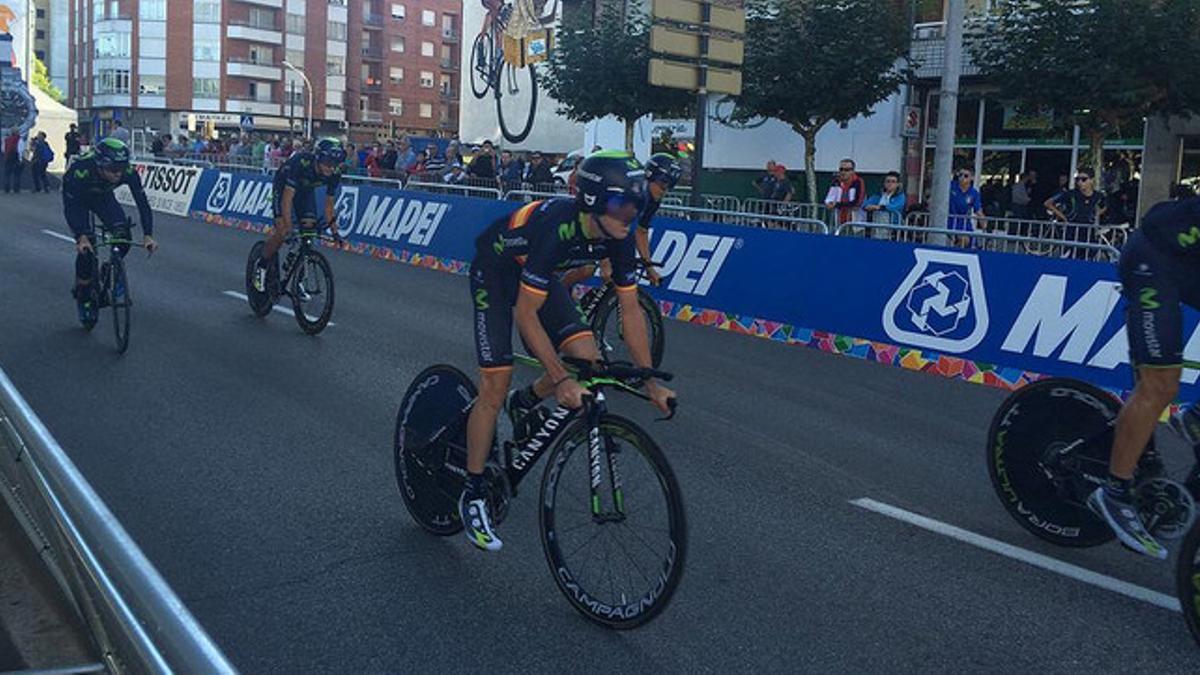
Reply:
x=1045, y=237
x=136, y=620
x=985, y=241
x=450, y=189
x=354, y=178
x=792, y=209
x=527, y=196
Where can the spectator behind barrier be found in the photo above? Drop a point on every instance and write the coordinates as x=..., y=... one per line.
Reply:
x=965, y=203
x=538, y=172
x=887, y=207
x=483, y=165
x=456, y=175
x=1083, y=204
x=511, y=172
x=847, y=193
x=764, y=185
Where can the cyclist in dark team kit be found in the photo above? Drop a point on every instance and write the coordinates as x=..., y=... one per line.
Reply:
x=88, y=187
x=662, y=174
x=1160, y=268
x=294, y=197
x=512, y=276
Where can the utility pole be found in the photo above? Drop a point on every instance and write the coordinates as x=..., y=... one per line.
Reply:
x=292, y=111
x=943, y=157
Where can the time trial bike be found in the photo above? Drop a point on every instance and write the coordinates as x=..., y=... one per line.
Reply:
x=307, y=279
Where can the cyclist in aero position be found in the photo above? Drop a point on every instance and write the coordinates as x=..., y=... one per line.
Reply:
x=1159, y=268
x=294, y=192
x=88, y=187
x=512, y=275
x=662, y=174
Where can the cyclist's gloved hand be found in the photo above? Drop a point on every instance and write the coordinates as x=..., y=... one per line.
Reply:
x=660, y=396
x=653, y=276
x=569, y=393
x=150, y=244
x=83, y=244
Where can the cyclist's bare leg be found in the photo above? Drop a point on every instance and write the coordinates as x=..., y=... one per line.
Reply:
x=275, y=240
x=481, y=424
x=1156, y=388
x=581, y=347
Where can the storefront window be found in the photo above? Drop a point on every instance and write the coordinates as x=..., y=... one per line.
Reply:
x=1005, y=124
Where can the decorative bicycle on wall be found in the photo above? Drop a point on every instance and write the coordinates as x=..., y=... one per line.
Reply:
x=505, y=65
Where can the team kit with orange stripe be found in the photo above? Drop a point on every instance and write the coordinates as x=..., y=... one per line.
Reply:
x=523, y=251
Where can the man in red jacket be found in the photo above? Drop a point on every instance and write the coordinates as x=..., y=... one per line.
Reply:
x=847, y=193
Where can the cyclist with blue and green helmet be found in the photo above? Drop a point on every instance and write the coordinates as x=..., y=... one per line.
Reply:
x=87, y=188
x=662, y=173
x=512, y=281
x=293, y=197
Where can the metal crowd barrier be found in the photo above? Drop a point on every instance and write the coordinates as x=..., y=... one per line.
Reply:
x=354, y=178
x=135, y=619
x=769, y=221
x=1042, y=237
x=791, y=209
x=451, y=189
x=982, y=240
x=526, y=196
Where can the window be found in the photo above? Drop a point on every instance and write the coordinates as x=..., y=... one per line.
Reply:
x=444, y=85
x=206, y=87
x=262, y=18
x=426, y=79
x=397, y=11
x=41, y=55
x=206, y=11
x=296, y=58
x=396, y=106
x=428, y=18
x=41, y=14
x=260, y=91
x=426, y=48
x=296, y=24
x=427, y=110
x=152, y=10
x=262, y=55
x=152, y=48
x=397, y=75
x=113, y=82
x=152, y=85
x=112, y=45
x=114, y=9
x=337, y=31
x=206, y=49
x=398, y=45
x=335, y=65
x=446, y=53
x=40, y=34
x=97, y=11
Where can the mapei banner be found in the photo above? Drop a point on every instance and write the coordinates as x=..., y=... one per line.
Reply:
x=1040, y=315
x=169, y=188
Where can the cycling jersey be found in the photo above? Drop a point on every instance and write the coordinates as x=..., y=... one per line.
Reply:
x=648, y=213
x=300, y=173
x=1174, y=227
x=523, y=250
x=84, y=190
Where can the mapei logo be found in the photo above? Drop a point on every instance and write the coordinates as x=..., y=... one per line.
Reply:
x=941, y=304
x=691, y=265
x=218, y=197
x=392, y=217
x=345, y=208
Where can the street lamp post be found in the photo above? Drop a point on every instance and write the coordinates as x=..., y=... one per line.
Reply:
x=307, y=85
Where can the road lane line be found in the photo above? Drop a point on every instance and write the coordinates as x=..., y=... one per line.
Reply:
x=59, y=235
x=1016, y=553
x=278, y=308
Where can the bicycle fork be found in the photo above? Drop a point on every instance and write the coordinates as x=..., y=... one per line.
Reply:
x=605, y=446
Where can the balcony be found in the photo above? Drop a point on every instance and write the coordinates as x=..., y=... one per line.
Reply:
x=372, y=53
x=277, y=4
x=928, y=51
x=371, y=115
x=253, y=106
x=260, y=70
x=448, y=94
x=369, y=87
x=373, y=21
x=449, y=35
x=449, y=64
x=254, y=33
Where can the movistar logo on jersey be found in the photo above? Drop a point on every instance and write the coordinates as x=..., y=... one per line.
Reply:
x=1189, y=238
x=481, y=299
x=218, y=197
x=941, y=304
x=395, y=218
x=691, y=264
x=567, y=231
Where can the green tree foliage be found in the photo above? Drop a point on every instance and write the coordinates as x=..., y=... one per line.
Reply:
x=41, y=80
x=811, y=62
x=600, y=66
x=1104, y=65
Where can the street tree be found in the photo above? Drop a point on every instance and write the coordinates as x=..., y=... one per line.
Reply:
x=600, y=66
x=1104, y=65
x=812, y=62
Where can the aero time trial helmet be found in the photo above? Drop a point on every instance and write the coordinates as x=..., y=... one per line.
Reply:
x=609, y=179
x=330, y=151
x=664, y=169
x=112, y=153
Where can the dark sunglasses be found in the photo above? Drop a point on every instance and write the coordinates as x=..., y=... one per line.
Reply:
x=964, y=175
x=844, y=170
x=1082, y=179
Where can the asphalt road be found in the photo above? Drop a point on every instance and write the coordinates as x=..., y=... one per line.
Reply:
x=253, y=465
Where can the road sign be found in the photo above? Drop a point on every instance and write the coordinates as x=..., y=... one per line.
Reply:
x=247, y=123
x=912, y=121
x=677, y=42
x=687, y=76
x=732, y=19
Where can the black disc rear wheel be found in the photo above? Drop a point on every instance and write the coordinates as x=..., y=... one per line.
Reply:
x=312, y=292
x=619, y=558
x=119, y=298
x=606, y=324
x=430, y=447
x=1187, y=581
x=1044, y=442
x=260, y=303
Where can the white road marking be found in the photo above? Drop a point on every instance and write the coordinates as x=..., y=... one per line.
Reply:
x=59, y=235
x=278, y=308
x=1016, y=553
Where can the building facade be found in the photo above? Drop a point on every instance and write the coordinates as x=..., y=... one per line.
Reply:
x=217, y=66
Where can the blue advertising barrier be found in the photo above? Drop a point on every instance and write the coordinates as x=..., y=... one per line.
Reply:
x=997, y=318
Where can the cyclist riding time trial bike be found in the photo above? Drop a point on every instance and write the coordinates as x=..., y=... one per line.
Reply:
x=307, y=279
x=110, y=286
x=611, y=515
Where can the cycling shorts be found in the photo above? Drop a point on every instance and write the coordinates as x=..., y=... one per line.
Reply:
x=494, y=294
x=1154, y=284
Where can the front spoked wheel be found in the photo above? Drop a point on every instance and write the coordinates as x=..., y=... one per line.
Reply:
x=430, y=447
x=481, y=64
x=1048, y=448
x=1187, y=581
x=312, y=292
x=121, y=303
x=613, y=529
x=516, y=101
x=606, y=324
